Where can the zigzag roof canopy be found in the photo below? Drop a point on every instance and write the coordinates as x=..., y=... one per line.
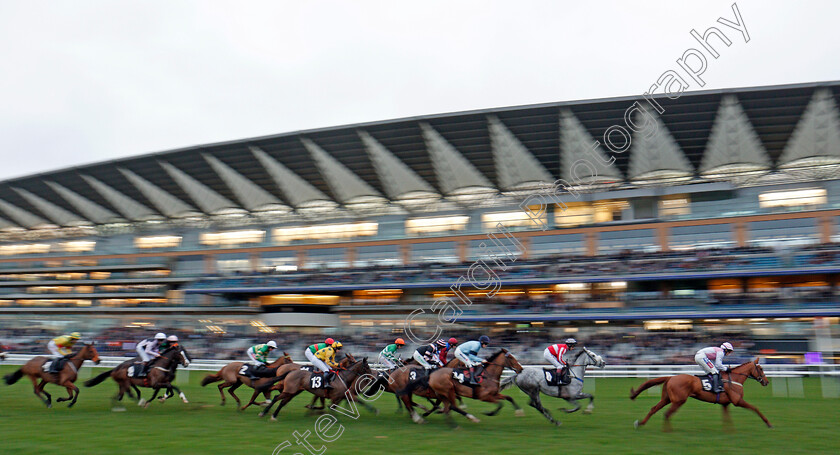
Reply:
x=452, y=154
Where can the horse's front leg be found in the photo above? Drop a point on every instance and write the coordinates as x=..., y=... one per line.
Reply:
x=744, y=404
x=154, y=395
x=173, y=389
x=573, y=402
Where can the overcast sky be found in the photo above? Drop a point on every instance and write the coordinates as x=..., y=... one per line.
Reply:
x=86, y=81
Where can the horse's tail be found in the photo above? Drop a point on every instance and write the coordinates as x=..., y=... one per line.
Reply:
x=211, y=378
x=414, y=385
x=268, y=384
x=646, y=385
x=98, y=379
x=13, y=377
x=506, y=382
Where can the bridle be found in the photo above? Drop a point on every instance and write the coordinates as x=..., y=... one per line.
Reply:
x=746, y=375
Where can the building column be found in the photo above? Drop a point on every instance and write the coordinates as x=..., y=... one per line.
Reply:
x=526, y=247
x=209, y=263
x=591, y=241
x=741, y=233
x=254, y=261
x=405, y=253
x=462, y=251
x=662, y=234
x=350, y=256
x=301, y=258
x=826, y=228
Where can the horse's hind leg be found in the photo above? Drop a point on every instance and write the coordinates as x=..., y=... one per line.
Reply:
x=675, y=406
x=537, y=404
x=75, y=392
x=173, y=389
x=664, y=401
x=727, y=419
x=40, y=390
x=744, y=404
x=222, y=388
x=233, y=389
x=69, y=389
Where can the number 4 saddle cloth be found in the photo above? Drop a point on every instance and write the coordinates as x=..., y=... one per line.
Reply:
x=462, y=375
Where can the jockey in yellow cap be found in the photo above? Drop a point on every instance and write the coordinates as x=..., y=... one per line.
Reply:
x=63, y=345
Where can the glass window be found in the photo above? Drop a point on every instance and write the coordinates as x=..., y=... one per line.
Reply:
x=793, y=198
x=231, y=238
x=437, y=224
x=325, y=232
x=158, y=241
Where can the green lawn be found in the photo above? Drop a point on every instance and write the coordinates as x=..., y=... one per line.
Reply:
x=803, y=425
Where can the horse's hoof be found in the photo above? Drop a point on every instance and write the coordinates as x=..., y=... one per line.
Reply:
x=770, y=427
x=587, y=411
x=558, y=423
x=636, y=425
x=273, y=419
x=519, y=413
x=162, y=399
x=473, y=418
x=262, y=414
x=142, y=402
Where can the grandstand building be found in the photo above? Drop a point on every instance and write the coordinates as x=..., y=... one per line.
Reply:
x=723, y=212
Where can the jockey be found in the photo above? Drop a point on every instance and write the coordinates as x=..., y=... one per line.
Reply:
x=259, y=359
x=388, y=356
x=711, y=361
x=63, y=345
x=148, y=348
x=445, y=350
x=259, y=353
x=170, y=342
x=467, y=353
x=428, y=354
x=554, y=354
x=310, y=352
x=327, y=357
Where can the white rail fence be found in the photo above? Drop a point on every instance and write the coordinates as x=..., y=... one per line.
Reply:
x=787, y=379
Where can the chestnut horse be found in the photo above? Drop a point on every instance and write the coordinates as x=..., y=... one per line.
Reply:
x=231, y=377
x=445, y=387
x=399, y=378
x=677, y=389
x=283, y=371
x=65, y=378
x=343, y=386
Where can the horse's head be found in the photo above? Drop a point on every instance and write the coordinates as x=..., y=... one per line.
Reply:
x=89, y=353
x=511, y=362
x=287, y=357
x=757, y=373
x=185, y=356
x=593, y=358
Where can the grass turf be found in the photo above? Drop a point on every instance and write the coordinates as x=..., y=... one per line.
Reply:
x=803, y=425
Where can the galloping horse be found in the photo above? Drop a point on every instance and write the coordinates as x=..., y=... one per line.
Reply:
x=677, y=389
x=265, y=388
x=160, y=376
x=445, y=387
x=65, y=378
x=532, y=381
x=233, y=379
x=343, y=387
x=399, y=378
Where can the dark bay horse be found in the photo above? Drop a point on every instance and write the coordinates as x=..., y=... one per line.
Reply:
x=447, y=389
x=232, y=378
x=65, y=378
x=160, y=375
x=343, y=387
x=677, y=389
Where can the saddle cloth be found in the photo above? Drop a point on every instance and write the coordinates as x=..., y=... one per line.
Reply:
x=320, y=380
x=462, y=375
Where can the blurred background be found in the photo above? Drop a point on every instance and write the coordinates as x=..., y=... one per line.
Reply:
x=720, y=226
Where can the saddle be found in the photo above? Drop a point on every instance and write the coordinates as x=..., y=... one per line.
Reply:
x=321, y=380
x=137, y=370
x=554, y=379
x=462, y=375
x=54, y=366
x=256, y=371
x=417, y=373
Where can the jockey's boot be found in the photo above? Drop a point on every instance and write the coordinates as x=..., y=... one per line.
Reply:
x=717, y=384
x=328, y=377
x=473, y=374
x=143, y=370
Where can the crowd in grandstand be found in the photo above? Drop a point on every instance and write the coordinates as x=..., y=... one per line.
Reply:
x=618, y=345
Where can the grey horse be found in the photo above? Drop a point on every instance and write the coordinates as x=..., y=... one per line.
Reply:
x=532, y=382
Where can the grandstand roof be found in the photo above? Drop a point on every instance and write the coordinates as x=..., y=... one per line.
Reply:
x=716, y=134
